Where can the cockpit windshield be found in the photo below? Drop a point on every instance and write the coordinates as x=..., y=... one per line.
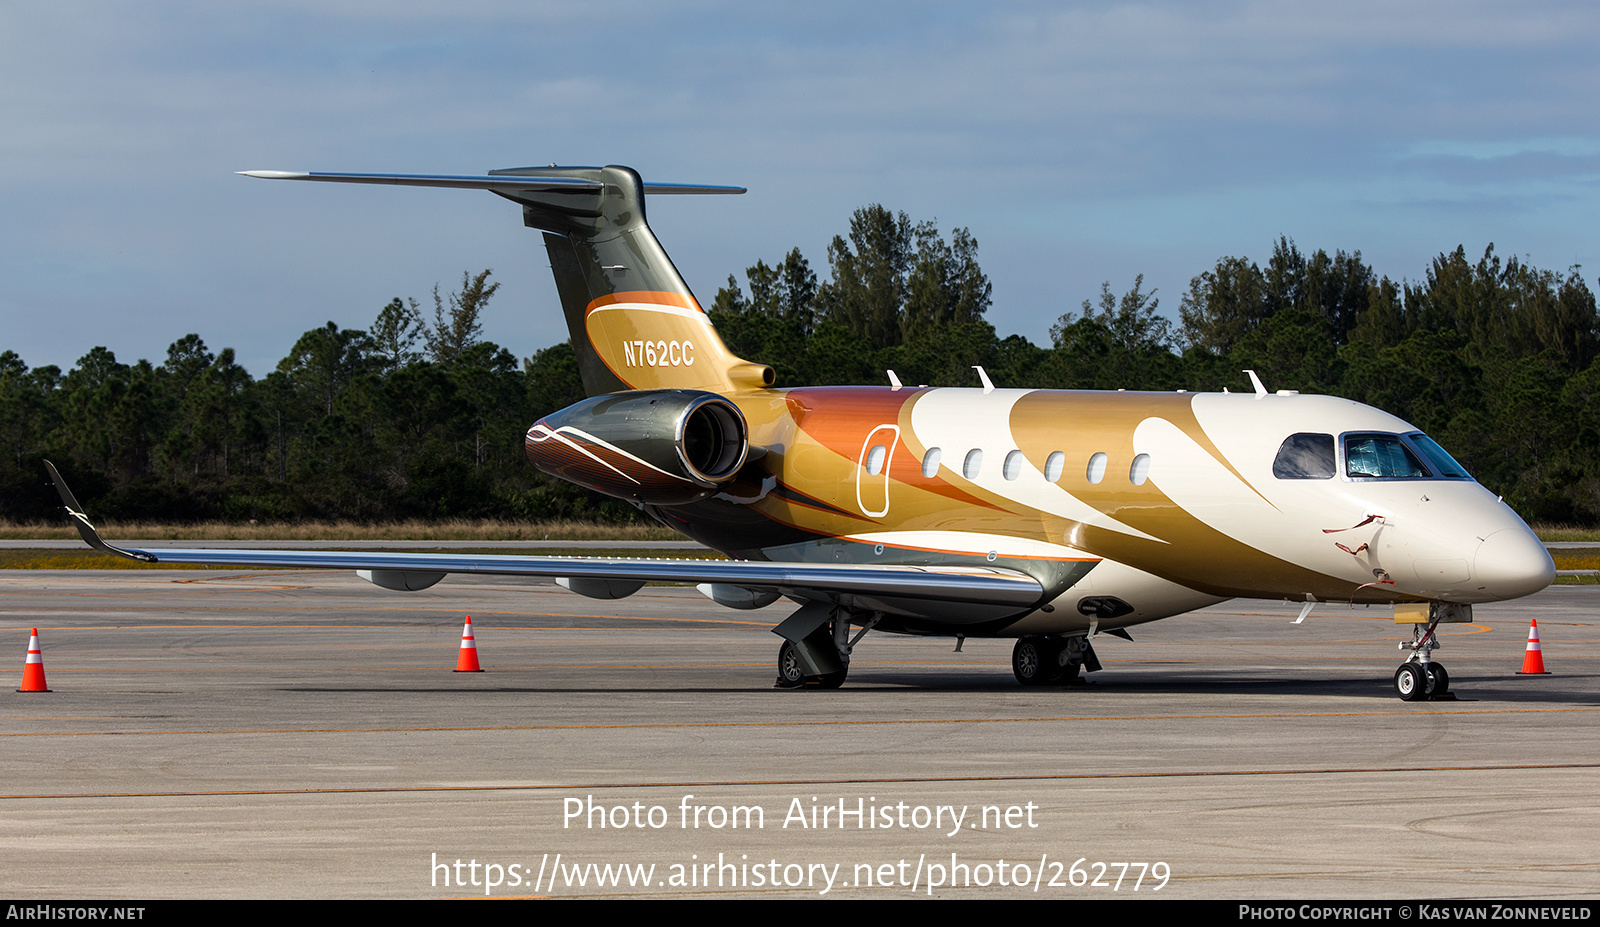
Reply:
x=1394, y=457
x=1444, y=466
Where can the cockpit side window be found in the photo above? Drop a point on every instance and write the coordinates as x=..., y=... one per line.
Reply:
x=1381, y=457
x=1305, y=457
x=1444, y=465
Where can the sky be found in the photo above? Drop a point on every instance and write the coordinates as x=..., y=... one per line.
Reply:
x=1078, y=142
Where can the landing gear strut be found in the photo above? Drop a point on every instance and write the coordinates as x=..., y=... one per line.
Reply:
x=1419, y=677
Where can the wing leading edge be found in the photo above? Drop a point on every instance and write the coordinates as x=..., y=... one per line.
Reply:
x=972, y=585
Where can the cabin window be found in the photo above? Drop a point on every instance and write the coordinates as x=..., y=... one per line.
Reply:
x=1053, y=465
x=930, y=463
x=1443, y=464
x=1381, y=457
x=1305, y=457
x=875, y=459
x=1013, y=465
x=973, y=463
x=1097, y=468
x=1140, y=471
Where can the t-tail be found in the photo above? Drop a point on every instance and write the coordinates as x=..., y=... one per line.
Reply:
x=633, y=320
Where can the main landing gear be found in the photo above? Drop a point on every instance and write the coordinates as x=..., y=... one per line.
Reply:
x=1419, y=677
x=815, y=653
x=1044, y=660
x=792, y=671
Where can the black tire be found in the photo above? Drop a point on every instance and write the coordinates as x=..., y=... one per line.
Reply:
x=1052, y=649
x=1411, y=682
x=1441, y=680
x=1058, y=669
x=1068, y=675
x=1029, y=661
x=791, y=674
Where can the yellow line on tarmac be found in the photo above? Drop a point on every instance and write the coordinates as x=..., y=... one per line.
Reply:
x=858, y=722
x=752, y=783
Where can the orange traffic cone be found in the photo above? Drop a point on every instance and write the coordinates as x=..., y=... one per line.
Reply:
x=467, y=662
x=1533, y=657
x=33, y=669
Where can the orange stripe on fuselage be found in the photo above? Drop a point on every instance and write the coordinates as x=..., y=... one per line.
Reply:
x=658, y=297
x=845, y=414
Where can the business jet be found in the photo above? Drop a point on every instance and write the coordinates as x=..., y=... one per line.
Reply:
x=1050, y=517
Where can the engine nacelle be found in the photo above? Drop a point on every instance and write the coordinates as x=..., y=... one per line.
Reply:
x=659, y=447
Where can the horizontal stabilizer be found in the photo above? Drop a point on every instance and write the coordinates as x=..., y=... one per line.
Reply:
x=508, y=182
x=621, y=294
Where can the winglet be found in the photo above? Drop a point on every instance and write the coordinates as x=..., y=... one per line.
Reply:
x=81, y=521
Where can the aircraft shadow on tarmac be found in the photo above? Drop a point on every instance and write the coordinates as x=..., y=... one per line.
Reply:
x=1570, y=689
x=880, y=683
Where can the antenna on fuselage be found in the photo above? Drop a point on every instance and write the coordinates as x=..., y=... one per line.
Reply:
x=988, y=384
x=894, y=381
x=1255, y=381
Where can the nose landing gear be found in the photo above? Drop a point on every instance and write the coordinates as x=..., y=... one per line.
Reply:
x=1419, y=677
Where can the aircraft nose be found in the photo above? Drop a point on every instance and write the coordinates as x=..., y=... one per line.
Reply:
x=1511, y=563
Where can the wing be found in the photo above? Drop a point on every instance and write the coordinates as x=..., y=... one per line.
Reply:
x=866, y=585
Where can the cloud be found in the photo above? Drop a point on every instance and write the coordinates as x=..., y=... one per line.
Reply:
x=1048, y=129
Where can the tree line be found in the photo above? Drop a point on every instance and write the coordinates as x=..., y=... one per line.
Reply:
x=411, y=417
x=416, y=416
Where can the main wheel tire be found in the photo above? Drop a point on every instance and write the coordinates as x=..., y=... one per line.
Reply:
x=791, y=674
x=1028, y=661
x=1411, y=682
x=1441, y=679
x=1053, y=650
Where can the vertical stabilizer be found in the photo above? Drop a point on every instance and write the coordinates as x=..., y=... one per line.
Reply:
x=634, y=322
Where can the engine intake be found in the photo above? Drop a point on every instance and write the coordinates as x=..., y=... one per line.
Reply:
x=659, y=447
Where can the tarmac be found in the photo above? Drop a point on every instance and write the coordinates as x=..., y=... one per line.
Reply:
x=226, y=734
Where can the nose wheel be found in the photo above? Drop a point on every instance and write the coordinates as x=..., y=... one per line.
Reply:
x=1416, y=681
x=1411, y=682
x=1441, y=679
